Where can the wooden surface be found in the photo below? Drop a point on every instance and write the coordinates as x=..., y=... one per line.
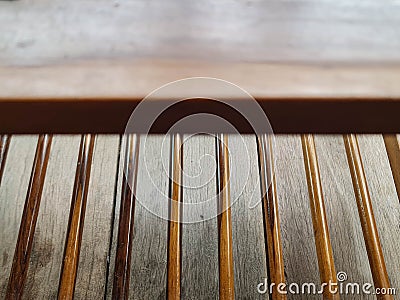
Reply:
x=280, y=52
x=126, y=220
x=23, y=248
x=199, y=240
x=367, y=219
x=317, y=205
x=76, y=218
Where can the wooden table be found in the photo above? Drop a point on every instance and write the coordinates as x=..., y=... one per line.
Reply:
x=313, y=66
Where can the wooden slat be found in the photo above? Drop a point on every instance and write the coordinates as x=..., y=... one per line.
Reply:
x=200, y=238
x=269, y=195
x=150, y=242
x=23, y=247
x=321, y=231
x=125, y=228
x=384, y=200
x=4, y=145
x=250, y=266
x=367, y=219
x=12, y=198
x=393, y=151
x=226, y=276
x=175, y=219
x=76, y=219
x=48, y=244
x=295, y=214
x=96, y=238
x=345, y=232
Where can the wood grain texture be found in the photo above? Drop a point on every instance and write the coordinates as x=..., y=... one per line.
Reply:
x=12, y=197
x=23, y=248
x=226, y=275
x=275, y=264
x=345, y=230
x=93, y=259
x=321, y=231
x=126, y=220
x=76, y=218
x=344, y=52
x=247, y=218
x=367, y=219
x=149, y=252
x=48, y=244
x=175, y=219
x=392, y=145
x=299, y=253
x=330, y=31
x=4, y=145
x=199, y=239
x=384, y=200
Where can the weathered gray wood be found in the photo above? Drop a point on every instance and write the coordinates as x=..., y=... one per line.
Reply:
x=91, y=277
x=299, y=252
x=12, y=198
x=345, y=230
x=247, y=219
x=149, y=251
x=384, y=200
x=200, y=256
x=199, y=240
x=48, y=244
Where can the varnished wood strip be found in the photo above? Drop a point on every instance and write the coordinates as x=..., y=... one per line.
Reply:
x=76, y=218
x=4, y=145
x=321, y=231
x=26, y=233
x=175, y=215
x=368, y=224
x=226, y=276
x=126, y=218
x=271, y=214
x=393, y=151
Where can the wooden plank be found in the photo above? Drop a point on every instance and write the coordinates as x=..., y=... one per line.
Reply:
x=23, y=248
x=12, y=197
x=48, y=244
x=91, y=278
x=347, y=240
x=200, y=279
x=126, y=219
x=317, y=205
x=248, y=240
x=384, y=200
x=149, y=248
x=73, y=242
x=367, y=219
x=149, y=253
x=295, y=214
x=273, y=241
